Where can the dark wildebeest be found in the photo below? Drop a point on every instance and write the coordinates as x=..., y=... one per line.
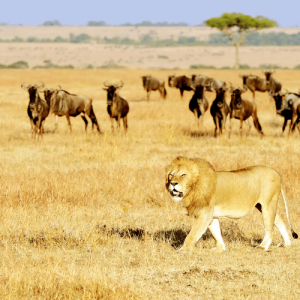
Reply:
x=63, y=103
x=295, y=99
x=153, y=84
x=33, y=91
x=117, y=107
x=242, y=109
x=273, y=85
x=198, y=104
x=39, y=113
x=219, y=110
x=182, y=83
x=284, y=106
x=254, y=83
x=211, y=84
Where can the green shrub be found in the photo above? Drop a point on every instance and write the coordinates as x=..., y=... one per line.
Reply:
x=202, y=67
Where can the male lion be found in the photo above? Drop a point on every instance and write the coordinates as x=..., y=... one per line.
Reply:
x=208, y=194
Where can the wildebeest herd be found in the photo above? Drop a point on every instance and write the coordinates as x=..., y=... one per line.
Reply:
x=62, y=103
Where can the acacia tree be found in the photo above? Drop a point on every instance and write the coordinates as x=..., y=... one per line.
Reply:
x=236, y=27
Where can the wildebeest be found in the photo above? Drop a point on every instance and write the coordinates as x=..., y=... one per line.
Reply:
x=255, y=83
x=117, y=107
x=295, y=99
x=211, y=84
x=33, y=91
x=273, y=85
x=284, y=106
x=63, y=103
x=182, y=83
x=198, y=104
x=153, y=84
x=242, y=109
x=219, y=110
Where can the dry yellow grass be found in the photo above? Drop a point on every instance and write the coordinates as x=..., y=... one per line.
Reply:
x=88, y=217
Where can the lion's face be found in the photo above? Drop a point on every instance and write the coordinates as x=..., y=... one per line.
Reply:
x=178, y=181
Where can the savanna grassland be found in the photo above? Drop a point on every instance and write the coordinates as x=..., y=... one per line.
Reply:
x=85, y=216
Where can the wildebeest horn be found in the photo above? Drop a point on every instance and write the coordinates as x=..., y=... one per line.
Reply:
x=245, y=89
x=299, y=91
x=41, y=86
x=24, y=87
x=105, y=84
x=287, y=91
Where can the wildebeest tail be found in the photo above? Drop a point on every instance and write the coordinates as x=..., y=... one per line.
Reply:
x=294, y=234
x=94, y=119
x=164, y=93
x=257, y=125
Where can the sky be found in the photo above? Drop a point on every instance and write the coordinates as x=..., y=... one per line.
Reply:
x=117, y=12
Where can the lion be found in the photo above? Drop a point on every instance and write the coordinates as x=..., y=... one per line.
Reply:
x=208, y=194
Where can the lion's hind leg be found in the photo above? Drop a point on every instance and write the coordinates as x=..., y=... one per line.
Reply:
x=281, y=227
x=214, y=227
x=269, y=211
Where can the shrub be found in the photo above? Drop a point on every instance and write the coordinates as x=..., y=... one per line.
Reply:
x=51, y=23
x=202, y=67
x=96, y=23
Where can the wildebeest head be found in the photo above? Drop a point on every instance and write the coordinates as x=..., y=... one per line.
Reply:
x=268, y=74
x=221, y=95
x=33, y=91
x=48, y=94
x=111, y=91
x=245, y=77
x=278, y=97
x=144, y=79
x=236, y=98
x=171, y=80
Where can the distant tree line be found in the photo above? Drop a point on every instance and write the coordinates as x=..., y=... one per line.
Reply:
x=254, y=39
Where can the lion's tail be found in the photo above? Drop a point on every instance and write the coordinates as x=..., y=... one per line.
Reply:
x=294, y=234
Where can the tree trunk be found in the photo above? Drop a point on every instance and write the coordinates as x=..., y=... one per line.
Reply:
x=237, y=58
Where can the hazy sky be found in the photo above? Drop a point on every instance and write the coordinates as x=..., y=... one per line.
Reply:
x=116, y=12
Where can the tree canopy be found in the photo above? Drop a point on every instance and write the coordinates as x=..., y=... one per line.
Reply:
x=241, y=21
x=236, y=27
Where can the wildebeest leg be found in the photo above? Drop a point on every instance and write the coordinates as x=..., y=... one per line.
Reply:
x=112, y=123
x=69, y=122
x=241, y=126
x=229, y=132
x=249, y=126
x=253, y=93
x=148, y=95
x=217, y=124
x=32, y=126
x=85, y=121
x=293, y=122
x=196, y=116
x=119, y=120
x=56, y=122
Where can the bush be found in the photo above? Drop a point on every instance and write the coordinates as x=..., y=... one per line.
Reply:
x=245, y=67
x=51, y=23
x=50, y=65
x=202, y=67
x=81, y=38
x=110, y=65
x=21, y=64
x=96, y=23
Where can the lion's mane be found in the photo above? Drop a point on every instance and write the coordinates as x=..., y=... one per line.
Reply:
x=202, y=184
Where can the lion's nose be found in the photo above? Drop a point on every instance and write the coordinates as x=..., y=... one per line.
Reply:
x=174, y=183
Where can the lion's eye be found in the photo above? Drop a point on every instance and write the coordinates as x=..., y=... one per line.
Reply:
x=183, y=175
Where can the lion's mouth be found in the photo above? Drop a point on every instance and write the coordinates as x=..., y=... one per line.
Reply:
x=175, y=193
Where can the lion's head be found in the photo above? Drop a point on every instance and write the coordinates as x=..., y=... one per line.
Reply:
x=192, y=181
